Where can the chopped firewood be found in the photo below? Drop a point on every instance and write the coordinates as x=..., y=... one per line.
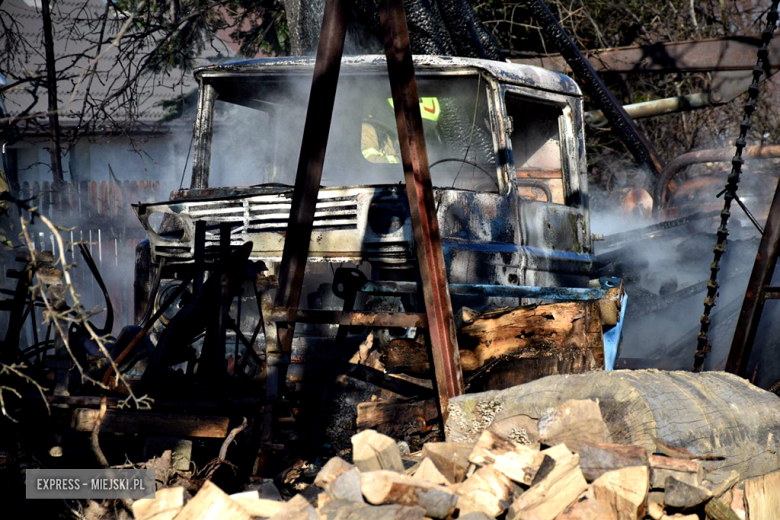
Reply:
x=212, y=502
x=682, y=453
x=762, y=497
x=519, y=463
x=331, y=471
x=165, y=505
x=256, y=506
x=298, y=508
x=161, y=424
x=388, y=487
x=719, y=486
x=738, y=503
x=682, y=495
x=656, y=512
x=598, y=458
x=487, y=490
x=717, y=510
x=372, y=451
x=531, y=331
x=397, y=418
x=427, y=470
x=346, y=487
x=519, y=428
x=407, y=356
x=550, y=496
x=450, y=458
x=624, y=491
x=586, y=507
x=341, y=510
x=574, y=422
x=688, y=471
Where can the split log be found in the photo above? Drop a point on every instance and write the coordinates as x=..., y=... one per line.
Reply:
x=332, y=469
x=520, y=429
x=251, y=502
x=717, y=510
x=487, y=490
x=656, y=512
x=532, y=331
x=698, y=411
x=406, y=356
x=165, y=505
x=340, y=510
x=388, y=487
x=297, y=508
x=427, y=470
x=685, y=470
x=159, y=424
x=519, y=463
x=396, y=419
x=346, y=487
x=574, y=422
x=681, y=495
x=450, y=458
x=372, y=451
x=624, y=491
x=762, y=497
x=719, y=484
x=212, y=502
x=598, y=458
x=738, y=503
x=586, y=507
x=550, y=496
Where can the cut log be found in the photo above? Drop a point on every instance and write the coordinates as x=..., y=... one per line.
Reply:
x=389, y=487
x=597, y=459
x=738, y=503
x=346, y=487
x=450, y=458
x=165, y=505
x=406, y=356
x=586, y=507
x=251, y=502
x=762, y=496
x=681, y=495
x=520, y=429
x=332, y=469
x=717, y=510
x=532, y=331
x=341, y=510
x=372, y=451
x=427, y=470
x=158, y=424
x=487, y=490
x=574, y=422
x=297, y=508
x=624, y=491
x=685, y=470
x=719, y=484
x=519, y=463
x=549, y=497
x=211, y=502
x=397, y=419
x=698, y=411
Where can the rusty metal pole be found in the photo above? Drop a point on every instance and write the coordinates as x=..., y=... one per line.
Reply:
x=311, y=160
x=414, y=156
x=755, y=295
x=637, y=142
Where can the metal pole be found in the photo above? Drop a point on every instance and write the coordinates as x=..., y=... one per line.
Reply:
x=414, y=156
x=753, y=304
x=637, y=143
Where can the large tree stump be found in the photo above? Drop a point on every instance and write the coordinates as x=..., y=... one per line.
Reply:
x=711, y=413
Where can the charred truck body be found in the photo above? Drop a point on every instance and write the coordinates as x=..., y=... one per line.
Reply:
x=508, y=164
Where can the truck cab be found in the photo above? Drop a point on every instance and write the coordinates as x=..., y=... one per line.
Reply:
x=507, y=160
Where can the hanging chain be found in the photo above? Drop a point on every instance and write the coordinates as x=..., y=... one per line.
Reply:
x=762, y=64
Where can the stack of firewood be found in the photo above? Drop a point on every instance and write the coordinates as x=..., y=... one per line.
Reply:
x=561, y=467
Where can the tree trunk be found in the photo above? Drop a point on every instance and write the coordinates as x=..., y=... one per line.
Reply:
x=55, y=149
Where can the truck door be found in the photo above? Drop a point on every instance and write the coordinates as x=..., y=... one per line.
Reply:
x=546, y=160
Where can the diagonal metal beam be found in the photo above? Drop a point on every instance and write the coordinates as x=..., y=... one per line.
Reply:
x=414, y=157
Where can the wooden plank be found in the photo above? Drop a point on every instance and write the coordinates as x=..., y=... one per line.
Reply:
x=168, y=425
x=685, y=470
x=762, y=497
x=397, y=419
x=407, y=356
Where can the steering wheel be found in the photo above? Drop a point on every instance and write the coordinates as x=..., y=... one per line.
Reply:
x=470, y=163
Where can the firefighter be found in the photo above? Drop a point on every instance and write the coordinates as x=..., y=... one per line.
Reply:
x=378, y=139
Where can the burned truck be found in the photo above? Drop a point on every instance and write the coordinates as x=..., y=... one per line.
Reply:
x=508, y=166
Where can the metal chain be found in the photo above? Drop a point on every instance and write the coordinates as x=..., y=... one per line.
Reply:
x=762, y=64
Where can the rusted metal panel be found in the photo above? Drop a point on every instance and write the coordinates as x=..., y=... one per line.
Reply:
x=414, y=157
